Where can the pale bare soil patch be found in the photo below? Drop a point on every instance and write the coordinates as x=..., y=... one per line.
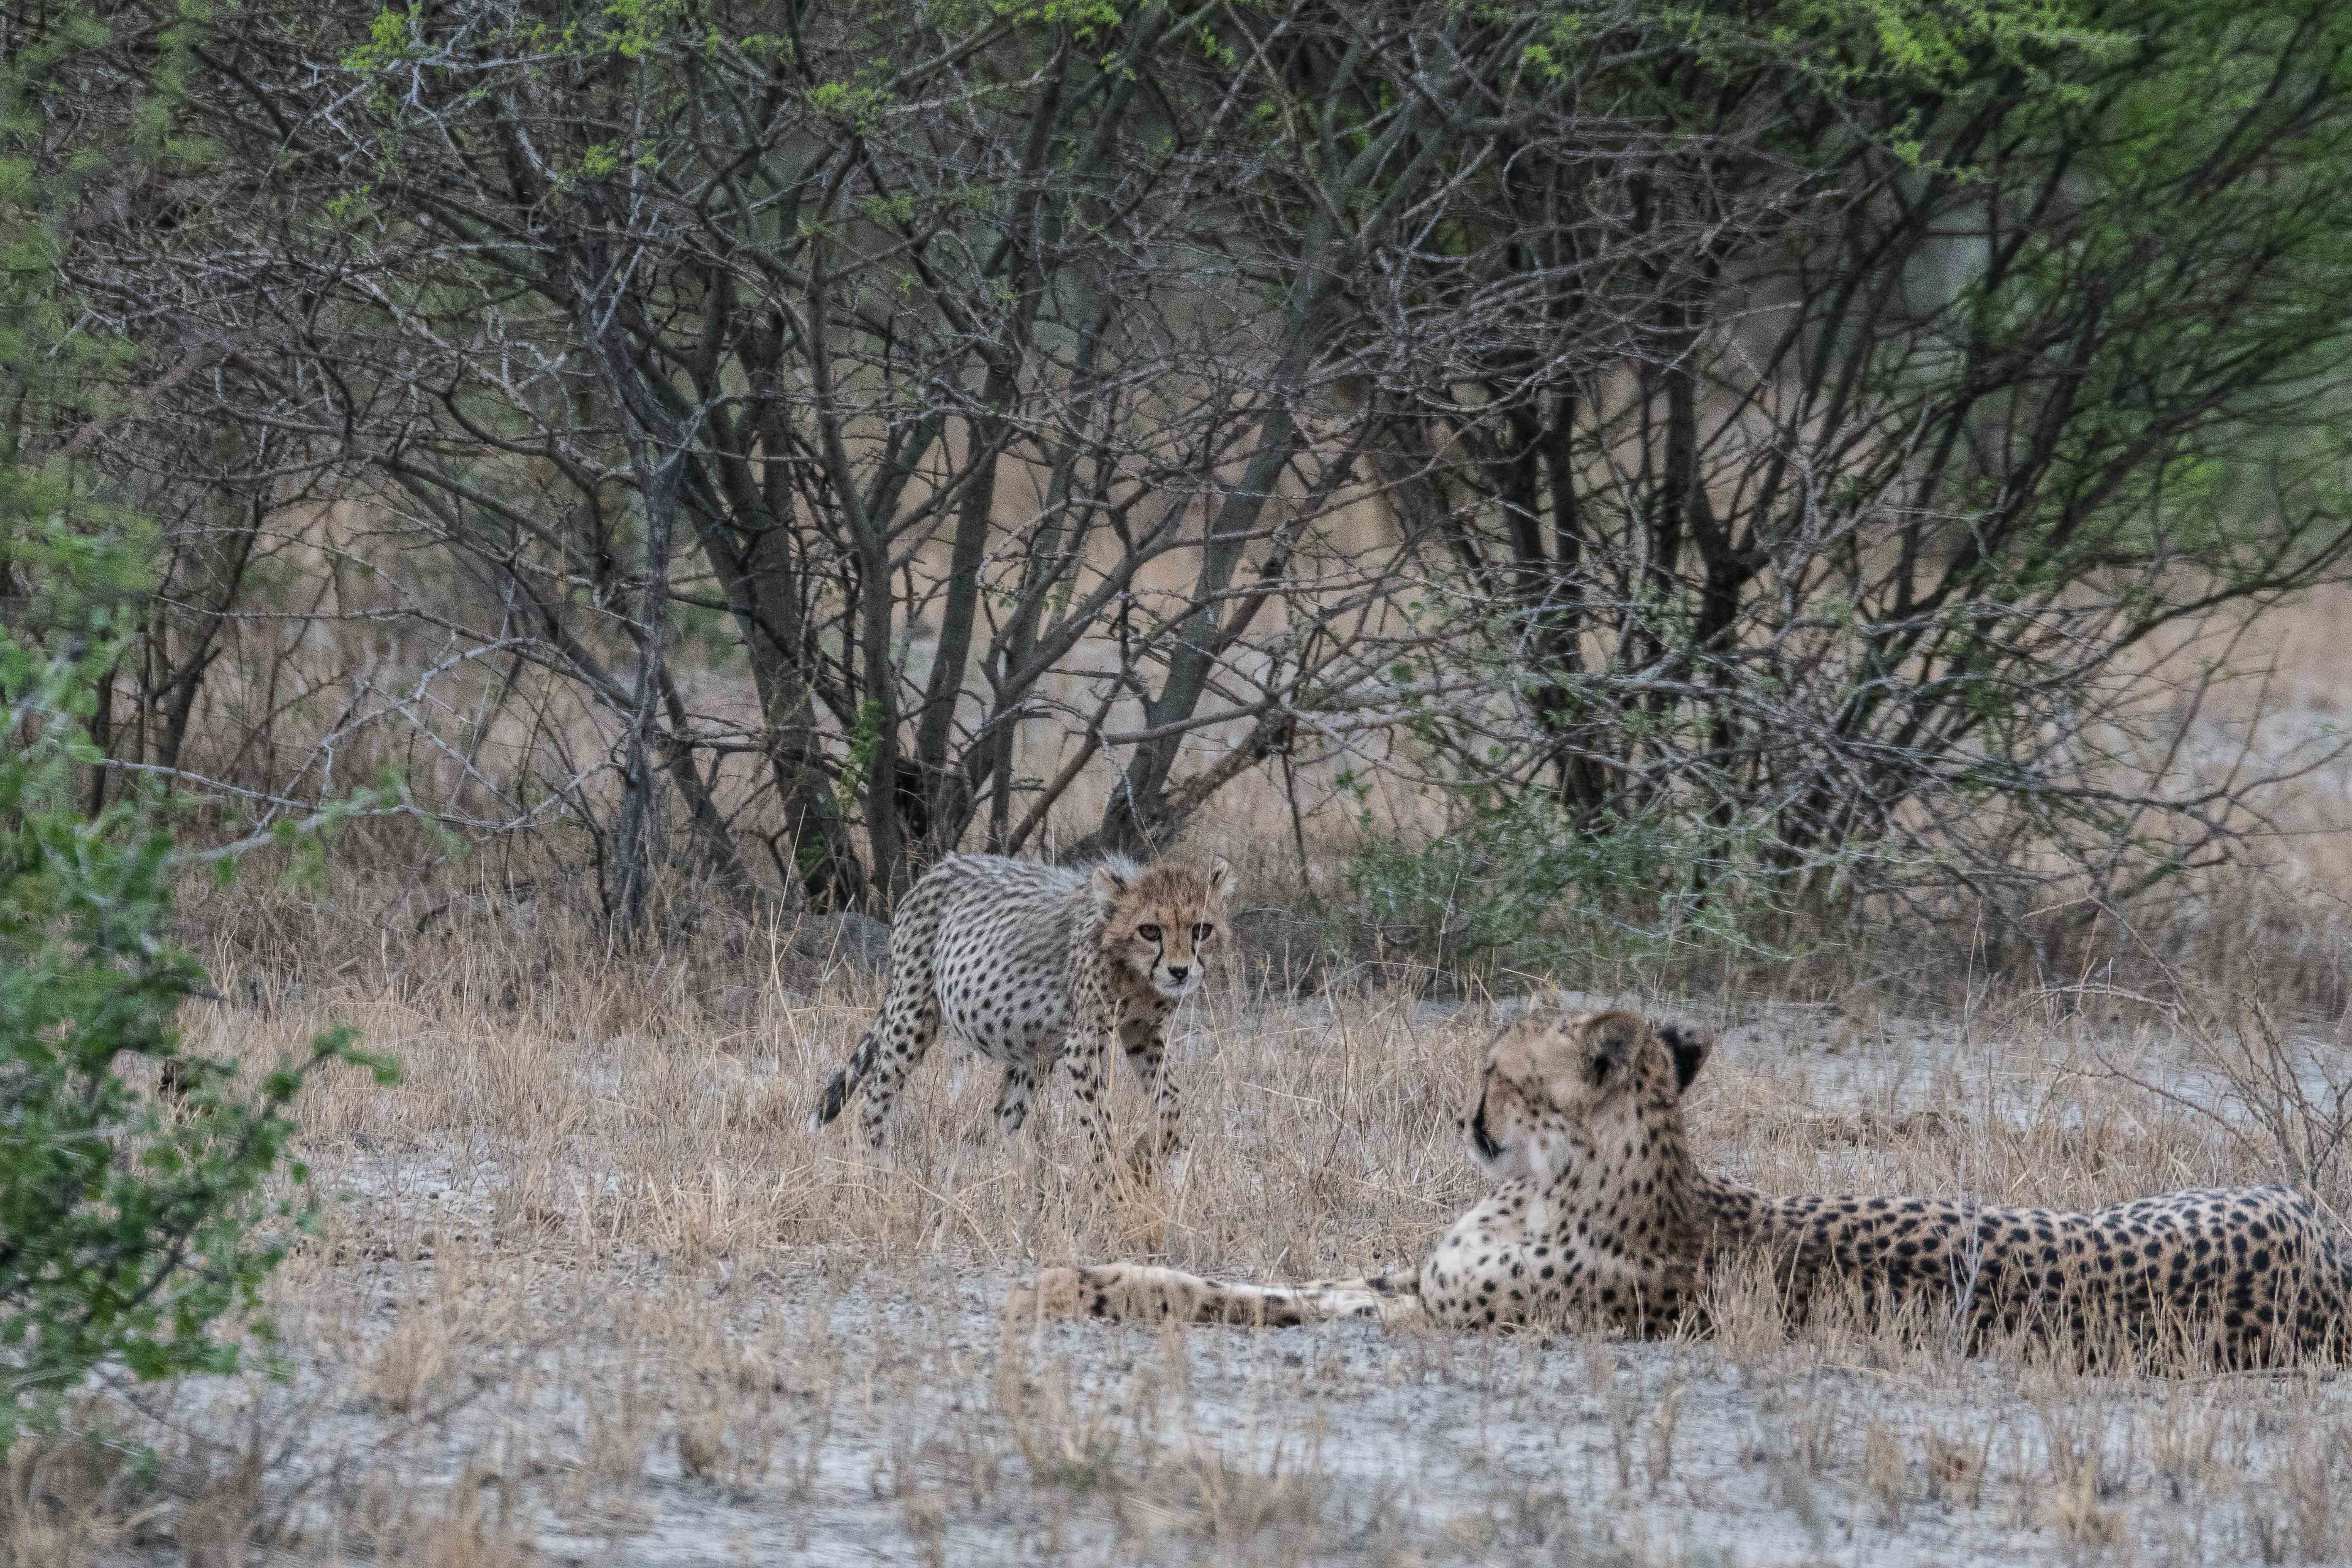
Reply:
x=587, y=1291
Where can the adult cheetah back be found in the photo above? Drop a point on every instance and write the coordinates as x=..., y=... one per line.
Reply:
x=2242, y=1277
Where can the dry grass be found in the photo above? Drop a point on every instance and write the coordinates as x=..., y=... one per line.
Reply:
x=586, y=1288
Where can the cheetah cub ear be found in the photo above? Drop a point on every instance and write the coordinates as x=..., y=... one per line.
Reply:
x=1222, y=880
x=1108, y=883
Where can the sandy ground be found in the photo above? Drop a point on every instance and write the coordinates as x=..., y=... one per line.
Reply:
x=453, y=1400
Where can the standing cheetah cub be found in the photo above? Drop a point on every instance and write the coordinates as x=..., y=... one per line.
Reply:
x=1030, y=962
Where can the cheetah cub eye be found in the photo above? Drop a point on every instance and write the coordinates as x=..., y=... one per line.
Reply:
x=1148, y=933
x=1203, y=932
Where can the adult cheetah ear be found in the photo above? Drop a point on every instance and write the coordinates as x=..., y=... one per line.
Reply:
x=1108, y=883
x=1222, y=880
x=1609, y=1041
x=1691, y=1047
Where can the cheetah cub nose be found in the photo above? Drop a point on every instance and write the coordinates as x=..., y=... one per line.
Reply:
x=1178, y=971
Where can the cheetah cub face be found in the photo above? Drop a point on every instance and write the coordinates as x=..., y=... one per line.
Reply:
x=1562, y=1089
x=1164, y=921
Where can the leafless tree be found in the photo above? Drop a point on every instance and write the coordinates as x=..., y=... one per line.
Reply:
x=1956, y=434
x=981, y=361
x=1786, y=450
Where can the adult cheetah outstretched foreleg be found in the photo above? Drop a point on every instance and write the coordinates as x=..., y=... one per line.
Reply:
x=1142, y=1292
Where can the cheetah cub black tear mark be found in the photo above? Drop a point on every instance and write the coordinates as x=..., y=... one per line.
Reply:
x=1031, y=964
x=1599, y=1215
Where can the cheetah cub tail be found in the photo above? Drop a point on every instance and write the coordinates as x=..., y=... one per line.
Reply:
x=844, y=1083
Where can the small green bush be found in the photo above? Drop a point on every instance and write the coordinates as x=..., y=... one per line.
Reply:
x=1519, y=887
x=129, y=1226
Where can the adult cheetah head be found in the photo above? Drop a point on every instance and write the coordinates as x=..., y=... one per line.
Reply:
x=1560, y=1089
x=1162, y=920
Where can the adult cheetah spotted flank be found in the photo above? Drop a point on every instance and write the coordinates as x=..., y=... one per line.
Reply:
x=1028, y=962
x=1599, y=1214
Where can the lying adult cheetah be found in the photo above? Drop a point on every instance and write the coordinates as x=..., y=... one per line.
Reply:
x=1599, y=1213
x=1026, y=962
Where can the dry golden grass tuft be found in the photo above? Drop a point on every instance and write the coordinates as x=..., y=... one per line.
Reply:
x=65, y=1503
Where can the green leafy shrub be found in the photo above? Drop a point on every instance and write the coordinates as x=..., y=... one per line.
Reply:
x=129, y=1226
x=1521, y=887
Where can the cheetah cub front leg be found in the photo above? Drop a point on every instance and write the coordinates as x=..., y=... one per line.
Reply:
x=1012, y=1101
x=1086, y=1055
x=1147, y=1052
x=1134, y=1023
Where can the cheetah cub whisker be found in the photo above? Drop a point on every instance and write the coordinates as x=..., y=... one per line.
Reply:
x=1029, y=964
x=1600, y=1216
